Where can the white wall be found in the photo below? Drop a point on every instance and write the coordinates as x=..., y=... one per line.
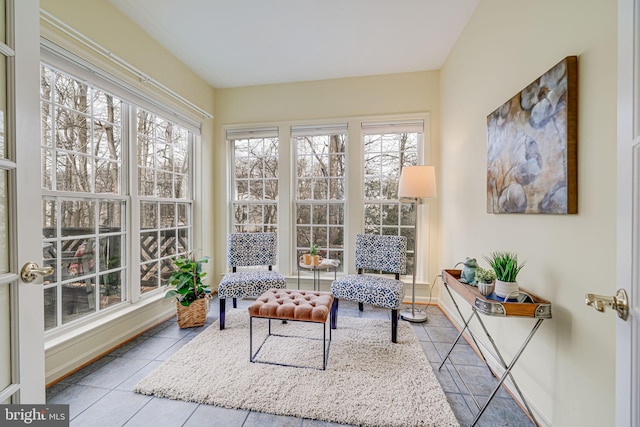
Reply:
x=568, y=370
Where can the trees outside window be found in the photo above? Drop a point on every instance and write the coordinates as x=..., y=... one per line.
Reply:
x=255, y=180
x=385, y=152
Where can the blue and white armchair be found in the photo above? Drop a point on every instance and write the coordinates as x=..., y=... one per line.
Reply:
x=249, y=250
x=378, y=253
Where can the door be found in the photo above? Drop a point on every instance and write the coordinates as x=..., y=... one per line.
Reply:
x=628, y=213
x=22, y=377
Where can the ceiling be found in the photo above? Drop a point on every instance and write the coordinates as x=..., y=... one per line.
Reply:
x=254, y=42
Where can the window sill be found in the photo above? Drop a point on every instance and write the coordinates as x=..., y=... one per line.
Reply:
x=74, y=332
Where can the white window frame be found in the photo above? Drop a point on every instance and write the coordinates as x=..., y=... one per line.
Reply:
x=319, y=131
x=91, y=270
x=163, y=259
x=248, y=135
x=384, y=129
x=83, y=71
x=287, y=259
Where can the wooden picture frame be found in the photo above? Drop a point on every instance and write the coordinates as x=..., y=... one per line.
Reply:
x=532, y=146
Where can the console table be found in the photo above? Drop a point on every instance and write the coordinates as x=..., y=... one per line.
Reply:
x=524, y=305
x=317, y=269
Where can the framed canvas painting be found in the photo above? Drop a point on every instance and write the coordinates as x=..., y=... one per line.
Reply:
x=532, y=146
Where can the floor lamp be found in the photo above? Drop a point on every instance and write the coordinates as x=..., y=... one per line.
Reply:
x=416, y=183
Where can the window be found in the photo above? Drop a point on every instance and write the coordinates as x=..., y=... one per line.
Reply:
x=320, y=154
x=83, y=211
x=325, y=189
x=387, y=148
x=163, y=157
x=165, y=198
x=87, y=193
x=255, y=179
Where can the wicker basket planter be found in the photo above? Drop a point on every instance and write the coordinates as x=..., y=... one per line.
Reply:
x=194, y=314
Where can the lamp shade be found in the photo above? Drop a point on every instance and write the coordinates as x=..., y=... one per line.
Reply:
x=417, y=182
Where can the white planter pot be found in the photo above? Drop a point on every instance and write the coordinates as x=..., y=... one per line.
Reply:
x=485, y=288
x=503, y=289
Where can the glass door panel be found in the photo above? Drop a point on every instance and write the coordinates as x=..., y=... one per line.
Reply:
x=4, y=223
x=5, y=337
x=3, y=97
x=21, y=348
x=6, y=363
x=3, y=19
x=5, y=293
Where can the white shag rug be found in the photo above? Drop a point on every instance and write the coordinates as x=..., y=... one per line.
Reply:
x=369, y=380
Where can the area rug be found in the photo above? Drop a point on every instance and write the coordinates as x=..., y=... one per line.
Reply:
x=368, y=381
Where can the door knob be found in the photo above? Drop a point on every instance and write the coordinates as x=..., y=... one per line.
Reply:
x=31, y=269
x=618, y=302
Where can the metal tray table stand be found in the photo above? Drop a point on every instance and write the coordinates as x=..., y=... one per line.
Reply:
x=524, y=304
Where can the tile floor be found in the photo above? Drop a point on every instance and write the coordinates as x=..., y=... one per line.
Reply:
x=100, y=394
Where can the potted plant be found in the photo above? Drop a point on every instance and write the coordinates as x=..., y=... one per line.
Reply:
x=192, y=296
x=506, y=267
x=484, y=280
x=314, y=251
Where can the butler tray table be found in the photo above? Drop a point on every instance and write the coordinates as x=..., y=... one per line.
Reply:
x=523, y=305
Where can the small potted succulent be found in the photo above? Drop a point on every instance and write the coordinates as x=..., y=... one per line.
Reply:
x=484, y=280
x=192, y=296
x=314, y=251
x=506, y=267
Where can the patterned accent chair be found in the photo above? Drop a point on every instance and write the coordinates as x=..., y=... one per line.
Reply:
x=248, y=250
x=380, y=253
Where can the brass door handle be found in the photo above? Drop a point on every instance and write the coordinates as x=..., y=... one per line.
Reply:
x=618, y=302
x=30, y=271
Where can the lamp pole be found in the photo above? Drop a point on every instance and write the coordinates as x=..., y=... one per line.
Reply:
x=414, y=315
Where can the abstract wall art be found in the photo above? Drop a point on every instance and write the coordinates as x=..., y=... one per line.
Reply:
x=532, y=146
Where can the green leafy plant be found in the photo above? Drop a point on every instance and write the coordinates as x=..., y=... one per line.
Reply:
x=505, y=265
x=314, y=249
x=485, y=276
x=187, y=280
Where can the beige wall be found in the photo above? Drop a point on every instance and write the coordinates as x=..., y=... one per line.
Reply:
x=568, y=370
x=340, y=98
x=507, y=44
x=104, y=24
x=359, y=96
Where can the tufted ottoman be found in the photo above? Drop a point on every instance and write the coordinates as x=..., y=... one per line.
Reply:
x=295, y=305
